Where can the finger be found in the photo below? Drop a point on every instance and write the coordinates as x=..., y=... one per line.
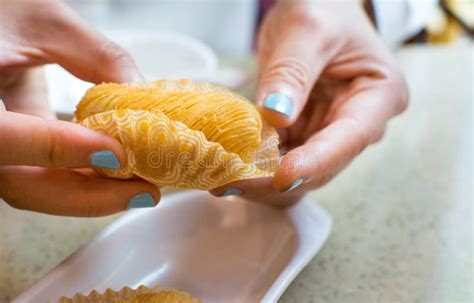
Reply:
x=65, y=39
x=258, y=190
x=69, y=193
x=26, y=92
x=359, y=122
x=287, y=76
x=33, y=141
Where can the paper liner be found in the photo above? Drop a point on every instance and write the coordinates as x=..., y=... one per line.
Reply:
x=168, y=152
x=142, y=294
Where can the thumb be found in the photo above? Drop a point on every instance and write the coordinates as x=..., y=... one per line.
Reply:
x=289, y=71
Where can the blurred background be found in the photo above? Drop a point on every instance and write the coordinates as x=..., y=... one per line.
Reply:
x=402, y=211
x=213, y=40
x=228, y=26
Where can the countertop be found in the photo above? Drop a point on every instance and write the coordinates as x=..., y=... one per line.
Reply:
x=402, y=210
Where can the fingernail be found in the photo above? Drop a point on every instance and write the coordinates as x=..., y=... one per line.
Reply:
x=295, y=184
x=142, y=200
x=105, y=159
x=232, y=192
x=279, y=103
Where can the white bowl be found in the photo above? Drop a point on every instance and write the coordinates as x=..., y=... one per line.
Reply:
x=159, y=55
x=166, y=55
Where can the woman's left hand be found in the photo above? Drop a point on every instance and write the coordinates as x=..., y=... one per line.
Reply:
x=330, y=85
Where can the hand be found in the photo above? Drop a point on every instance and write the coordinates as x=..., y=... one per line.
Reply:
x=45, y=163
x=328, y=82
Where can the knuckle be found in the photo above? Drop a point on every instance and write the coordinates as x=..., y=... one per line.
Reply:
x=398, y=84
x=361, y=137
x=290, y=70
x=378, y=135
x=91, y=208
x=306, y=17
x=114, y=59
x=310, y=20
x=112, y=54
x=52, y=154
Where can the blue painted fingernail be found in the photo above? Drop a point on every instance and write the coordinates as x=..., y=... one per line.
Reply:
x=105, y=159
x=279, y=103
x=142, y=200
x=232, y=192
x=295, y=184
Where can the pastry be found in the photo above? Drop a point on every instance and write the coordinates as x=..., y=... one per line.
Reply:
x=182, y=133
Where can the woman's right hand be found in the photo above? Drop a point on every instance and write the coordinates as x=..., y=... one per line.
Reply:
x=45, y=164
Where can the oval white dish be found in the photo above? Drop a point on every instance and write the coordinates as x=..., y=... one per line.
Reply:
x=217, y=249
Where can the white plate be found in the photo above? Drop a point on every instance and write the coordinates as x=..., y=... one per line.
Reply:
x=217, y=249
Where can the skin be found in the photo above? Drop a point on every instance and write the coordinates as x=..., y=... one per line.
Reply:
x=344, y=86
x=325, y=56
x=45, y=163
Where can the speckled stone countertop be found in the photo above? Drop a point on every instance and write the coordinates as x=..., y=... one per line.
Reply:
x=402, y=211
